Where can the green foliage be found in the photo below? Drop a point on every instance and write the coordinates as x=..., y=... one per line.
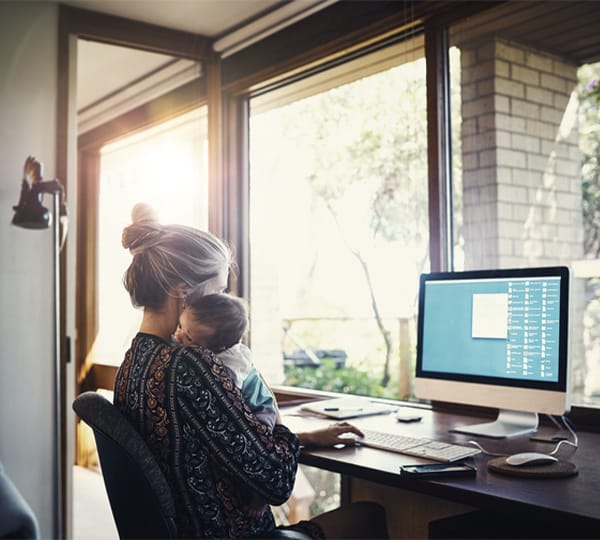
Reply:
x=380, y=158
x=589, y=145
x=346, y=380
x=592, y=88
x=589, y=91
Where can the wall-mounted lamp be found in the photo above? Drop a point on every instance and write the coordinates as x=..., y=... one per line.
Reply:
x=31, y=214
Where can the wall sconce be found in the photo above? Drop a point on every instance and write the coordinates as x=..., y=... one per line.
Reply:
x=31, y=214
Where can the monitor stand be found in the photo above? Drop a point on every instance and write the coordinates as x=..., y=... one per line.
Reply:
x=508, y=424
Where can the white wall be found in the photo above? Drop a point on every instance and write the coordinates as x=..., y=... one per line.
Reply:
x=28, y=96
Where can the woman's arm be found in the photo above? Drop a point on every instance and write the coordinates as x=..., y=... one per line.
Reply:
x=264, y=460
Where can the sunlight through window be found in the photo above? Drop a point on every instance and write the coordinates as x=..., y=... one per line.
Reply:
x=166, y=167
x=338, y=224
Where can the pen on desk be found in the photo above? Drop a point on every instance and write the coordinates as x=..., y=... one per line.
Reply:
x=332, y=409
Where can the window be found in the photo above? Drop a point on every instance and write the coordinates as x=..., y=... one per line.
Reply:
x=525, y=156
x=339, y=224
x=164, y=166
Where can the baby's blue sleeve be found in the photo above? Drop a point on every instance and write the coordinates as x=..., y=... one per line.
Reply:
x=259, y=398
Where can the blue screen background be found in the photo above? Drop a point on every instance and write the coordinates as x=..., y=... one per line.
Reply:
x=448, y=345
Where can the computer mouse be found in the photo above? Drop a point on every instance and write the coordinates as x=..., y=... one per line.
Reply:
x=530, y=458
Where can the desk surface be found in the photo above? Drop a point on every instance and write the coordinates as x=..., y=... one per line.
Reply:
x=575, y=496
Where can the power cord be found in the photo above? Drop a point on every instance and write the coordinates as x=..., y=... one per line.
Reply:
x=555, y=421
x=483, y=450
x=574, y=442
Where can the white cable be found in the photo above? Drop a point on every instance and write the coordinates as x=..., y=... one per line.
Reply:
x=574, y=442
x=486, y=452
x=554, y=421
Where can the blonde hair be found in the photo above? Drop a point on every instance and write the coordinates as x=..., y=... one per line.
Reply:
x=165, y=256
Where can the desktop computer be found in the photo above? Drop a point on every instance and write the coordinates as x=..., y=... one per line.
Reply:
x=496, y=338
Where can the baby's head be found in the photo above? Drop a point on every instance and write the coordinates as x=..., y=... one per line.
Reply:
x=215, y=321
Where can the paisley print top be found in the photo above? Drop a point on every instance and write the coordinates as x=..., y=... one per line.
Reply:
x=214, y=452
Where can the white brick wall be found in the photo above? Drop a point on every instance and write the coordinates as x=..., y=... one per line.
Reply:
x=513, y=102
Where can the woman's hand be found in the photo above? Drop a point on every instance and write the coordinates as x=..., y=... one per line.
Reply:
x=338, y=433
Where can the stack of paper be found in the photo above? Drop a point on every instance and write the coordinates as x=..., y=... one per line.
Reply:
x=341, y=408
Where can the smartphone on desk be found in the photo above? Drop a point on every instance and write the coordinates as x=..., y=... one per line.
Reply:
x=438, y=470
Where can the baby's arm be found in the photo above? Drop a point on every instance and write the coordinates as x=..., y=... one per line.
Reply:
x=255, y=390
x=260, y=398
x=275, y=405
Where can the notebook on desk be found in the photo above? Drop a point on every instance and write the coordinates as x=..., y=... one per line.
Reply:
x=343, y=408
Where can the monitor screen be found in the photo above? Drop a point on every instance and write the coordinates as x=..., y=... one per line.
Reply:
x=496, y=338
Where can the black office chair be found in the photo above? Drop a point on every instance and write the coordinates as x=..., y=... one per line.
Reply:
x=140, y=498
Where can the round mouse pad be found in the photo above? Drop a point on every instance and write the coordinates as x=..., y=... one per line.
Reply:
x=558, y=469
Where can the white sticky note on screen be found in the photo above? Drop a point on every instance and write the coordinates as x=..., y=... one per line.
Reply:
x=490, y=316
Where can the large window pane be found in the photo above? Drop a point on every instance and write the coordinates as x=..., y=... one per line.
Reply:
x=164, y=166
x=523, y=172
x=339, y=224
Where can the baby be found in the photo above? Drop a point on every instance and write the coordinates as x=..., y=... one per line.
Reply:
x=218, y=322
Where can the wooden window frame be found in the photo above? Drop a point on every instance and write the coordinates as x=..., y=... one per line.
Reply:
x=257, y=69
x=74, y=22
x=307, y=45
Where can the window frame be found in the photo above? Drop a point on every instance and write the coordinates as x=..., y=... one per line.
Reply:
x=76, y=23
x=236, y=95
x=229, y=85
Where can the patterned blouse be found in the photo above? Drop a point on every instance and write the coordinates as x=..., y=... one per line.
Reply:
x=214, y=452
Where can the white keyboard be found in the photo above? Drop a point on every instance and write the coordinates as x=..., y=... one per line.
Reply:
x=411, y=446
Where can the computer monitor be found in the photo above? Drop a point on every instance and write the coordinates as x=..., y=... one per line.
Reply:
x=496, y=338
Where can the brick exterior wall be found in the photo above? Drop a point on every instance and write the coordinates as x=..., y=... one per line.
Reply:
x=521, y=191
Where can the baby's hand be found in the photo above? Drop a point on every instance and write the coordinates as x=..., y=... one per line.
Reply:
x=178, y=336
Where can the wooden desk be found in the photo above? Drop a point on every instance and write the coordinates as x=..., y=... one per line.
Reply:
x=374, y=474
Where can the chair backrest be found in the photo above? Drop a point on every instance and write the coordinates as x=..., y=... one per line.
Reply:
x=139, y=495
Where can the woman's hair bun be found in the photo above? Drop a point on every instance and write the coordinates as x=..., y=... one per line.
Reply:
x=144, y=231
x=143, y=212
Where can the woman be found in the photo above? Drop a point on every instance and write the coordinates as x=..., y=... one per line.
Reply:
x=215, y=453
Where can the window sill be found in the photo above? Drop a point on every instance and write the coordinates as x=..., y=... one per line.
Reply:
x=585, y=417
